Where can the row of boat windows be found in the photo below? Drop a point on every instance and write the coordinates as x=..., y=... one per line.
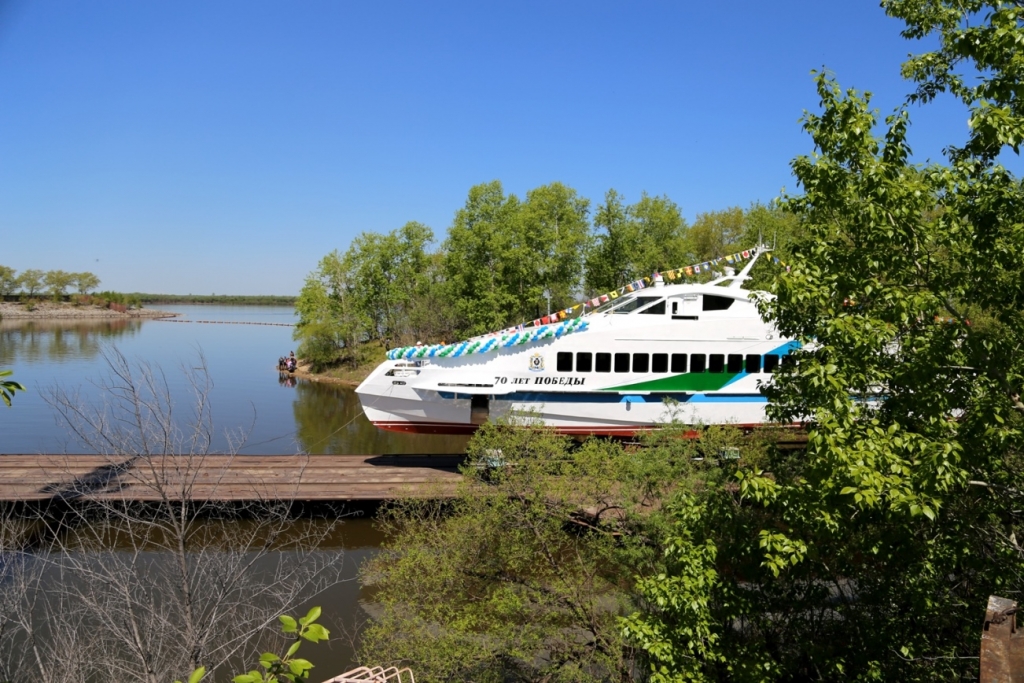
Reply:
x=664, y=362
x=710, y=302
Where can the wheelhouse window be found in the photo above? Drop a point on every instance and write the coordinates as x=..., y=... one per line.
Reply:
x=771, y=362
x=635, y=303
x=698, y=362
x=659, y=362
x=656, y=309
x=563, y=362
x=734, y=363
x=584, y=361
x=604, y=362
x=641, y=362
x=678, y=362
x=622, y=362
x=713, y=302
x=716, y=362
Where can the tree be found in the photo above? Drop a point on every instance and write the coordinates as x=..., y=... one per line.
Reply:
x=389, y=269
x=8, y=281
x=525, y=574
x=31, y=281
x=637, y=240
x=716, y=233
x=58, y=282
x=113, y=589
x=482, y=275
x=329, y=324
x=905, y=290
x=555, y=241
x=85, y=282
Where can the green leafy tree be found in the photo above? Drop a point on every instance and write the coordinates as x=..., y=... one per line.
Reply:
x=483, y=274
x=871, y=556
x=636, y=241
x=552, y=248
x=85, y=282
x=716, y=233
x=31, y=281
x=389, y=269
x=58, y=281
x=8, y=281
x=526, y=573
x=329, y=324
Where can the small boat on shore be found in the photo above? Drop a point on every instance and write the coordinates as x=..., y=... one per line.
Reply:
x=695, y=353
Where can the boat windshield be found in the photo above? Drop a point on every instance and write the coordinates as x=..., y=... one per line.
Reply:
x=636, y=303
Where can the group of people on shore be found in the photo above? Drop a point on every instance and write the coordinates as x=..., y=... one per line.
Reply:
x=288, y=363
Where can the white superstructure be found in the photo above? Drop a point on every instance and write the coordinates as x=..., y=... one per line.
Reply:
x=696, y=352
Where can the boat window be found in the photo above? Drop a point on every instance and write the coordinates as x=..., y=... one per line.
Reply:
x=675, y=307
x=697, y=362
x=713, y=302
x=734, y=363
x=635, y=303
x=640, y=362
x=716, y=362
x=656, y=309
x=788, y=360
x=564, y=361
x=753, y=363
x=659, y=362
x=771, y=361
x=678, y=362
x=622, y=362
x=583, y=361
x=604, y=362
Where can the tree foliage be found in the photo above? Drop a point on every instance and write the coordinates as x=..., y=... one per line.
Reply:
x=871, y=556
x=31, y=281
x=527, y=573
x=637, y=240
x=505, y=261
x=8, y=281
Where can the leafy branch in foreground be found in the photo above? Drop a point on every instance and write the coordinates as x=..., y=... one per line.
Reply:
x=289, y=667
x=8, y=387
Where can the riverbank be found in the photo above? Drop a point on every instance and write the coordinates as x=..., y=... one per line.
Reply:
x=345, y=377
x=368, y=356
x=48, y=310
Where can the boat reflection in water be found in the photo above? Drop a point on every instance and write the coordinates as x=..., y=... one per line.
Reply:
x=330, y=419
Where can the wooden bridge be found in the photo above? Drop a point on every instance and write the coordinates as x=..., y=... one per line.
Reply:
x=236, y=478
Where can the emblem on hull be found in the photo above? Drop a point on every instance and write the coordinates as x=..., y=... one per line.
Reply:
x=536, y=363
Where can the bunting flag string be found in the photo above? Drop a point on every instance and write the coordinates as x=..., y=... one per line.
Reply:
x=567, y=321
x=636, y=285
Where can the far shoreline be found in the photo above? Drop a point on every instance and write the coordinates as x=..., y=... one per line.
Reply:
x=48, y=310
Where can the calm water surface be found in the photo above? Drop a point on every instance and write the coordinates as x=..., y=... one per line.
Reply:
x=248, y=397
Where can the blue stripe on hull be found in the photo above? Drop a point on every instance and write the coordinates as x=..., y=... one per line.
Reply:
x=584, y=397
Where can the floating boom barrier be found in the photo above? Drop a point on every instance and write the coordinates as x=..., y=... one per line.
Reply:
x=223, y=322
x=488, y=344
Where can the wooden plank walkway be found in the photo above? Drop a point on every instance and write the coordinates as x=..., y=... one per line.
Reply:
x=226, y=478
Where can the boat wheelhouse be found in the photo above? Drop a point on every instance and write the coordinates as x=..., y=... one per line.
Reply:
x=695, y=353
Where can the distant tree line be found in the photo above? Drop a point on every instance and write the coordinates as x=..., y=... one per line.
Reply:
x=506, y=260
x=223, y=299
x=32, y=283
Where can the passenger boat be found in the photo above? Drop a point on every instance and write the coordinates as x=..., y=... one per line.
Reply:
x=695, y=353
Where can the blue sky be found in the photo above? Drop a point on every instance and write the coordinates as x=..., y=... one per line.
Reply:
x=225, y=147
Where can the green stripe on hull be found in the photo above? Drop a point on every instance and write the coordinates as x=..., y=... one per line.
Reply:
x=690, y=381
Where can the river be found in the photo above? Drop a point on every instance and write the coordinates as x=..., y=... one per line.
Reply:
x=239, y=347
